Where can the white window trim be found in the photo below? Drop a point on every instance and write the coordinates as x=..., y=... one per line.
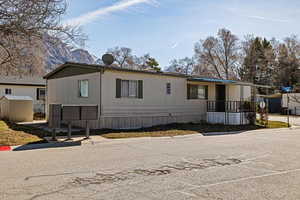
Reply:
x=79, y=88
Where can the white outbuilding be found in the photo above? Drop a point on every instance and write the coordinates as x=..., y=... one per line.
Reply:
x=16, y=108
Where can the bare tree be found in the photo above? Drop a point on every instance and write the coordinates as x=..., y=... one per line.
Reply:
x=123, y=56
x=288, y=62
x=185, y=65
x=24, y=22
x=142, y=62
x=220, y=52
x=146, y=62
x=294, y=97
x=125, y=59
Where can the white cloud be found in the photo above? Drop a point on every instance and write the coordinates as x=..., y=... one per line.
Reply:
x=175, y=45
x=270, y=16
x=268, y=19
x=122, y=5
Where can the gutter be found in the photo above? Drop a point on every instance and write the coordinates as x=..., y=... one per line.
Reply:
x=24, y=84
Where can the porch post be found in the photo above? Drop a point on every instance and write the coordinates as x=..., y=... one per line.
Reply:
x=87, y=130
x=69, y=130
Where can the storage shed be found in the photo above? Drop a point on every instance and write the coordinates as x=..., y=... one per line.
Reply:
x=16, y=108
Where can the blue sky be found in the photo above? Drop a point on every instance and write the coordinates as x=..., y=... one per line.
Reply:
x=168, y=29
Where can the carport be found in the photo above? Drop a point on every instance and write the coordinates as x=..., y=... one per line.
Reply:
x=16, y=108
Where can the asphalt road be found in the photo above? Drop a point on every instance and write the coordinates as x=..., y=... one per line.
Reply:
x=252, y=165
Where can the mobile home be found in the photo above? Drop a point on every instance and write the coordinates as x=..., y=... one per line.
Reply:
x=133, y=99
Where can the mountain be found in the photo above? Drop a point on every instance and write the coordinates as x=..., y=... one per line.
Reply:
x=58, y=53
x=82, y=56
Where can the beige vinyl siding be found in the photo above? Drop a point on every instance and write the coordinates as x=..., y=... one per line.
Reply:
x=156, y=107
x=66, y=90
x=238, y=92
x=233, y=92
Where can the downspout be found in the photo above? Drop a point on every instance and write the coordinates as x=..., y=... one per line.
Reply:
x=241, y=102
x=226, y=114
x=46, y=102
x=100, y=97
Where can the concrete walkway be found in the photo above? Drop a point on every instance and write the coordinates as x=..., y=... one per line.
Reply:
x=77, y=138
x=294, y=120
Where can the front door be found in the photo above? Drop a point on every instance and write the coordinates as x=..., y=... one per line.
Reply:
x=220, y=98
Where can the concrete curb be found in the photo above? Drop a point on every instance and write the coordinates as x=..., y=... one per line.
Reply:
x=45, y=146
x=253, y=131
x=5, y=148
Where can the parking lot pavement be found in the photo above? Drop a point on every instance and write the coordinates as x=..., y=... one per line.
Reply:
x=262, y=164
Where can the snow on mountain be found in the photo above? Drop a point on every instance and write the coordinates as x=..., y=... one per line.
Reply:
x=58, y=53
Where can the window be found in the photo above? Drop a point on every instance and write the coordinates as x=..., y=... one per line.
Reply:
x=202, y=92
x=41, y=94
x=129, y=88
x=83, y=88
x=168, y=88
x=8, y=91
x=197, y=91
x=193, y=93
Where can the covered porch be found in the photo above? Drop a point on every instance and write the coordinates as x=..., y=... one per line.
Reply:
x=228, y=102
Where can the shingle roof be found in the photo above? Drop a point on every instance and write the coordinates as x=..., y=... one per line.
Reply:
x=17, y=80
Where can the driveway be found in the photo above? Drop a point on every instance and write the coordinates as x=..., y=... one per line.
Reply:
x=294, y=120
x=261, y=164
